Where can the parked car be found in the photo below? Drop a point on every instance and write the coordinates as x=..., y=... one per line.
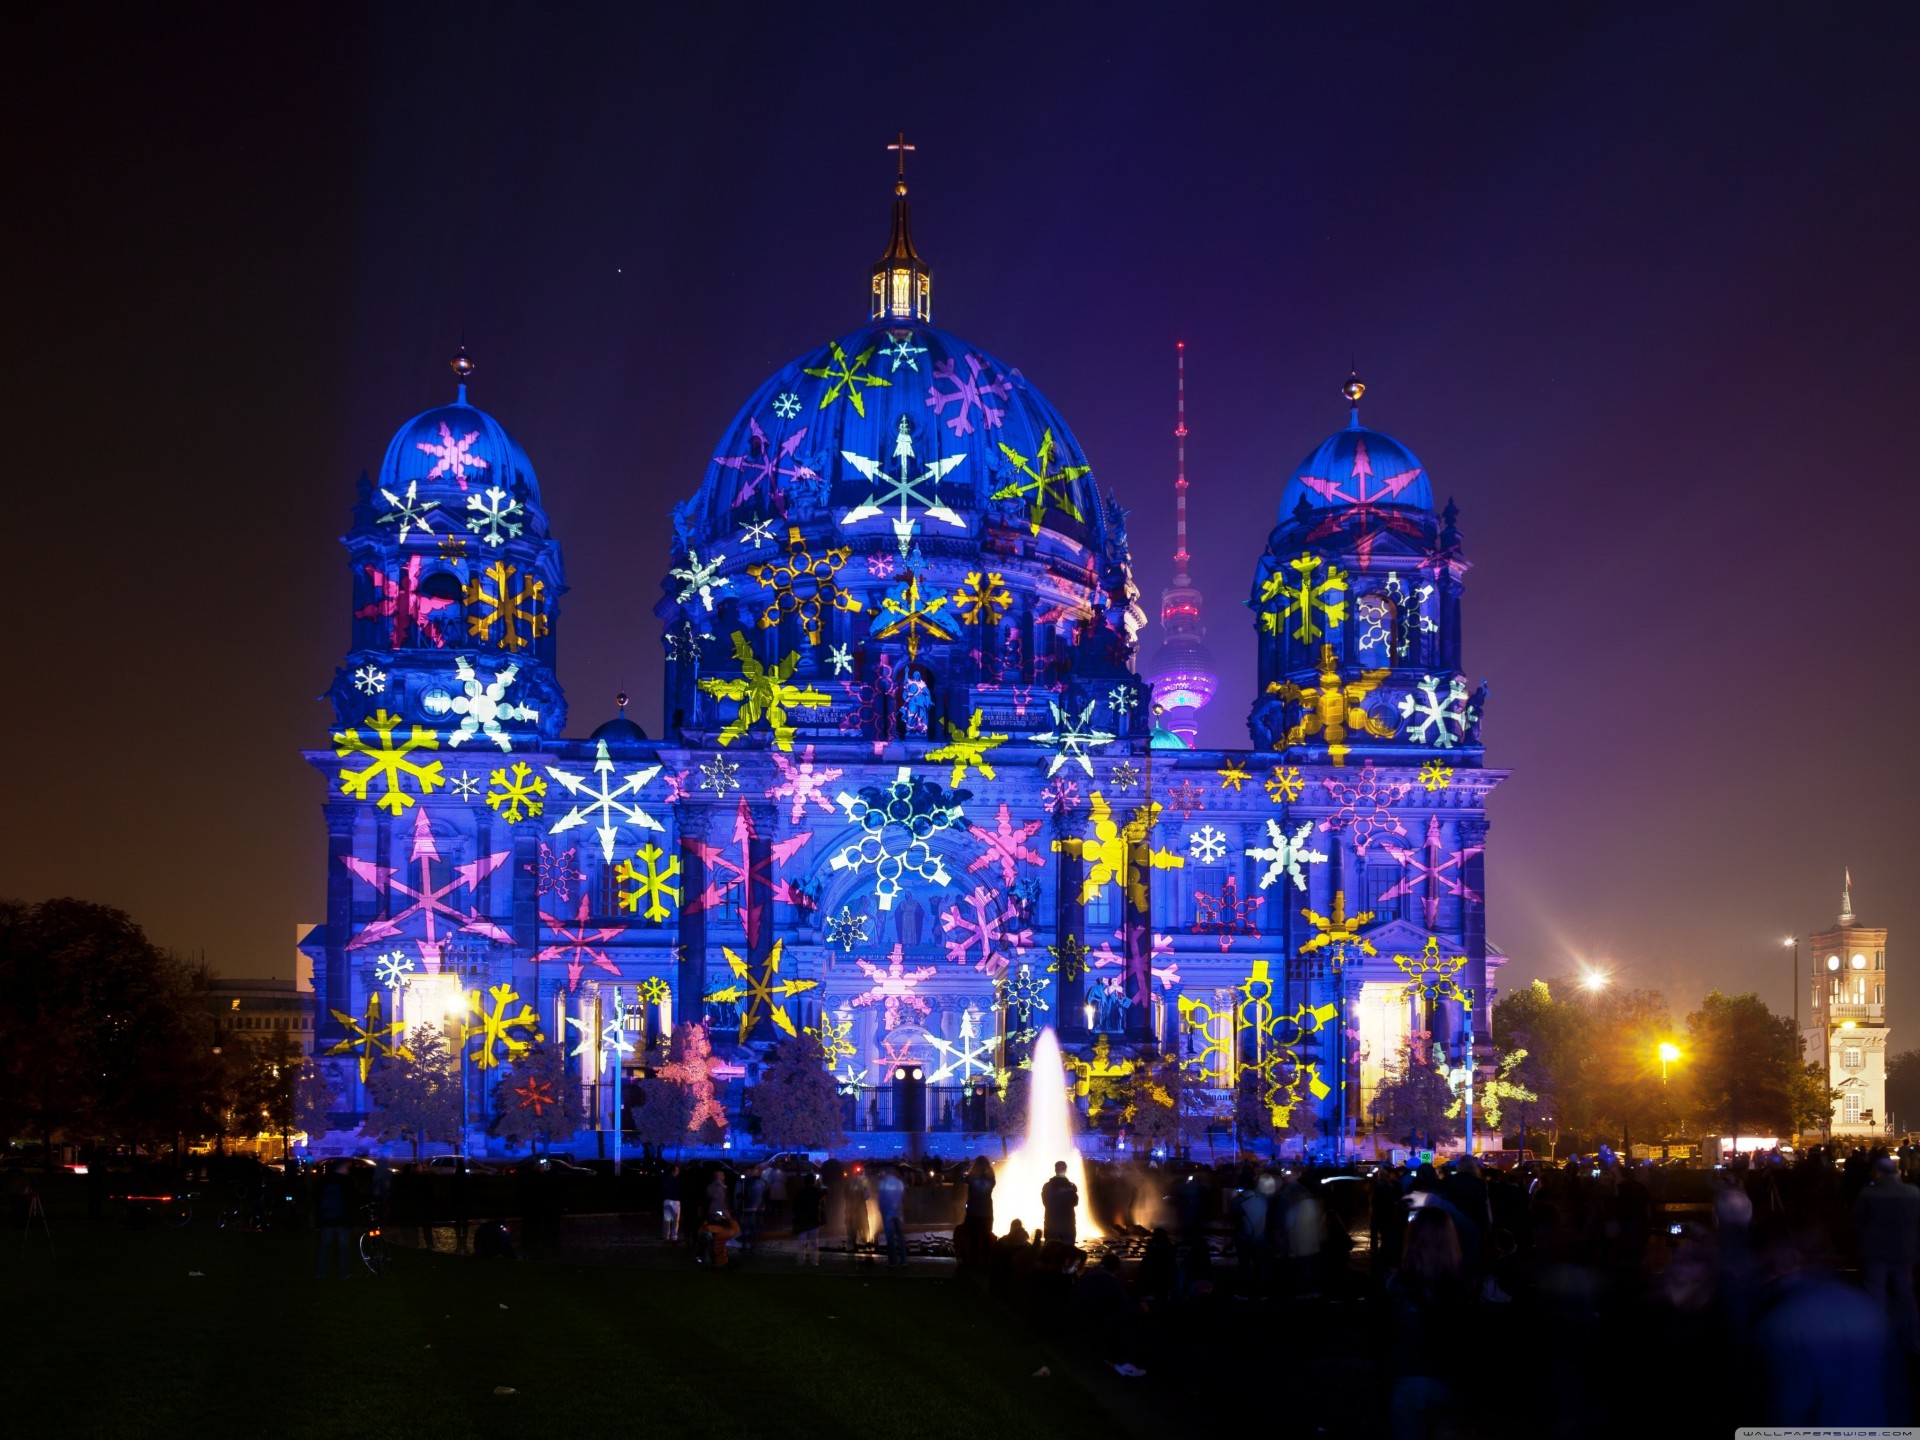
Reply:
x=448, y=1164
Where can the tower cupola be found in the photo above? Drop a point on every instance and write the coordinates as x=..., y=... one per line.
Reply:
x=902, y=284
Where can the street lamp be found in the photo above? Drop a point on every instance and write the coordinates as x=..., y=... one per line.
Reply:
x=1594, y=981
x=1793, y=943
x=1669, y=1052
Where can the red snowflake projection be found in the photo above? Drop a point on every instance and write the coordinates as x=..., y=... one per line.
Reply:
x=579, y=945
x=800, y=782
x=1226, y=914
x=535, y=1095
x=874, y=702
x=894, y=987
x=1005, y=846
x=1364, y=806
x=1436, y=871
x=1363, y=510
x=766, y=465
x=429, y=900
x=452, y=456
x=992, y=928
x=1184, y=798
x=969, y=393
x=744, y=877
x=897, y=1053
x=556, y=872
x=401, y=600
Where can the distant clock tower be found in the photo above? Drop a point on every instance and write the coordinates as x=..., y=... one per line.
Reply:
x=1848, y=1022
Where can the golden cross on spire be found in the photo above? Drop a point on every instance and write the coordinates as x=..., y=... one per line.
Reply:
x=901, y=147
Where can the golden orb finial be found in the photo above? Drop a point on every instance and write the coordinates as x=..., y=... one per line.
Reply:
x=1354, y=388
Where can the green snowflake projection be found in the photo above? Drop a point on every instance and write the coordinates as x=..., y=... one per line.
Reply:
x=653, y=885
x=967, y=749
x=761, y=994
x=835, y=1037
x=849, y=378
x=389, y=761
x=516, y=792
x=494, y=604
x=983, y=597
x=1307, y=598
x=1069, y=957
x=762, y=694
x=501, y=1033
x=369, y=1039
x=803, y=585
x=1431, y=975
x=1038, y=479
x=1119, y=852
x=915, y=613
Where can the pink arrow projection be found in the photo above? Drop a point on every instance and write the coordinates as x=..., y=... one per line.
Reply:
x=741, y=874
x=429, y=900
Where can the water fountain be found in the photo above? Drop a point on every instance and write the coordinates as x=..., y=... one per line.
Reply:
x=1018, y=1178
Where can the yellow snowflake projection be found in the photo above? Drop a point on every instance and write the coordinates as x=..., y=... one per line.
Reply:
x=849, y=377
x=1069, y=956
x=389, y=761
x=1435, y=776
x=1233, y=776
x=803, y=585
x=983, y=598
x=517, y=793
x=1269, y=1043
x=1285, y=784
x=653, y=884
x=1311, y=599
x=369, y=1039
x=515, y=613
x=835, y=1037
x=915, y=614
x=1119, y=852
x=1333, y=708
x=760, y=995
x=762, y=694
x=967, y=749
x=655, y=991
x=1432, y=976
x=1045, y=484
x=1335, y=931
x=1493, y=1092
x=1098, y=1077
x=501, y=1033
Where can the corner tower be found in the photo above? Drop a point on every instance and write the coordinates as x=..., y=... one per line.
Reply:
x=1849, y=1020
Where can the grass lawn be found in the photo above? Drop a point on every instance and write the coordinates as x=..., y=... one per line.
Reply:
x=111, y=1337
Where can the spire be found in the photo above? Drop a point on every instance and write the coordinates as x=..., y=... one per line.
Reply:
x=1846, y=899
x=462, y=367
x=1180, y=556
x=902, y=285
x=1353, y=390
x=1181, y=669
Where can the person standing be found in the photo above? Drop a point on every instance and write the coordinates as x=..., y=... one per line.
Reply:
x=331, y=1203
x=979, y=1219
x=670, y=1204
x=807, y=1198
x=853, y=1200
x=1886, y=1218
x=1059, y=1198
x=753, y=1204
x=891, y=1193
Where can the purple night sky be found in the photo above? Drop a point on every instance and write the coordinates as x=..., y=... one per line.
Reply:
x=1637, y=287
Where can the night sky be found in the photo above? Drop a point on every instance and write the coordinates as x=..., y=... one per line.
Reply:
x=1636, y=284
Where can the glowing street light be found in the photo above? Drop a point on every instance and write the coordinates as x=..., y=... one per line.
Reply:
x=1669, y=1052
x=1594, y=981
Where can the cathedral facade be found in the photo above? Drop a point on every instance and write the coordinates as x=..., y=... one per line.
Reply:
x=908, y=792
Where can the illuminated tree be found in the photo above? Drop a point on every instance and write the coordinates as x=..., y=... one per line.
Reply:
x=677, y=1104
x=316, y=1096
x=1411, y=1104
x=1743, y=1072
x=797, y=1102
x=537, y=1100
x=1170, y=1108
x=1903, y=1088
x=415, y=1095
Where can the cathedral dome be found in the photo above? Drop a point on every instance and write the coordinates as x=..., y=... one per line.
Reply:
x=1357, y=466
x=458, y=449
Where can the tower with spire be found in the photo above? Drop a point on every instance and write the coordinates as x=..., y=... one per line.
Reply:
x=1847, y=1021
x=1181, y=670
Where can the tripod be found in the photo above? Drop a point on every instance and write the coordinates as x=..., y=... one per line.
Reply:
x=35, y=1211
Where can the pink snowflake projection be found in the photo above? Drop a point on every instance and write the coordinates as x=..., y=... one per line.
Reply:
x=1364, y=509
x=1226, y=914
x=1005, y=845
x=579, y=945
x=678, y=786
x=894, y=987
x=969, y=394
x=1435, y=870
x=1185, y=797
x=1364, y=806
x=894, y=1053
x=1060, y=797
x=765, y=465
x=556, y=872
x=884, y=565
x=991, y=929
x=1107, y=957
x=800, y=783
x=746, y=876
x=430, y=903
x=401, y=601
x=453, y=455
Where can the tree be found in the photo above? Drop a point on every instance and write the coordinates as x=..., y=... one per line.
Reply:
x=1744, y=1075
x=413, y=1097
x=538, y=1100
x=1007, y=1108
x=677, y=1104
x=796, y=1101
x=1170, y=1109
x=1903, y=1088
x=1411, y=1104
x=1529, y=1024
x=259, y=1075
x=316, y=1095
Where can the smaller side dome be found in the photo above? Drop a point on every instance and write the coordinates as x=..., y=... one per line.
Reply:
x=1357, y=466
x=461, y=448
x=620, y=730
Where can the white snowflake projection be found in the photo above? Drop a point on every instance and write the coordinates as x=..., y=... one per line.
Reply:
x=1364, y=806
x=1072, y=739
x=841, y=659
x=969, y=394
x=503, y=1033
x=613, y=802
x=408, y=512
x=1431, y=719
x=493, y=516
x=453, y=455
x=902, y=351
x=720, y=775
x=1023, y=993
x=464, y=786
x=394, y=970
x=1006, y=846
x=756, y=533
x=786, y=405
x=1060, y=797
x=505, y=607
x=895, y=988
x=517, y=793
x=967, y=750
x=847, y=929
x=1287, y=855
x=970, y=1054
x=1124, y=776
x=849, y=1081
x=1436, y=871
x=401, y=600
x=765, y=465
x=579, y=945
x=1123, y=699
x=802, y=783
x=1037, y=478
x=904, y=489
x=615, y=1041
x=1310, y=599
x=480, y=708
x=651, y=885
x=1184, y=797
x=990, y=929
x=1207, y=845
x=701, y=579
x=1391, y=616
x=430, y=903
x=389, y=761
x=748, y=878
x=370, y=680
x=1365, y=512
x=682, y=642
x=1435, y=777
x=848, y=378
x=804, y=585
x=895, y=824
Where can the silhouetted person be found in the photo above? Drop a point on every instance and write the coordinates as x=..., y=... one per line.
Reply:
x=1059, y=1198
x=1886, y=1218
x=332, y=1204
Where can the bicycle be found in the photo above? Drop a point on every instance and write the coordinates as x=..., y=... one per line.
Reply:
x=373, y=1247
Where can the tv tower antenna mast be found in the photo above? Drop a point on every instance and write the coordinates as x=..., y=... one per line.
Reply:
x=1181, y=669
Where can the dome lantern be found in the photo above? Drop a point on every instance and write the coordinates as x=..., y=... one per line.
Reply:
x=902, y=284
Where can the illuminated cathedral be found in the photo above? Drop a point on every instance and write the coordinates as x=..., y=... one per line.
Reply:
x=911, y=791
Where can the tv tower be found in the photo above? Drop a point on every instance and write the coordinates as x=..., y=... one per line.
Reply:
x=1181, y=670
